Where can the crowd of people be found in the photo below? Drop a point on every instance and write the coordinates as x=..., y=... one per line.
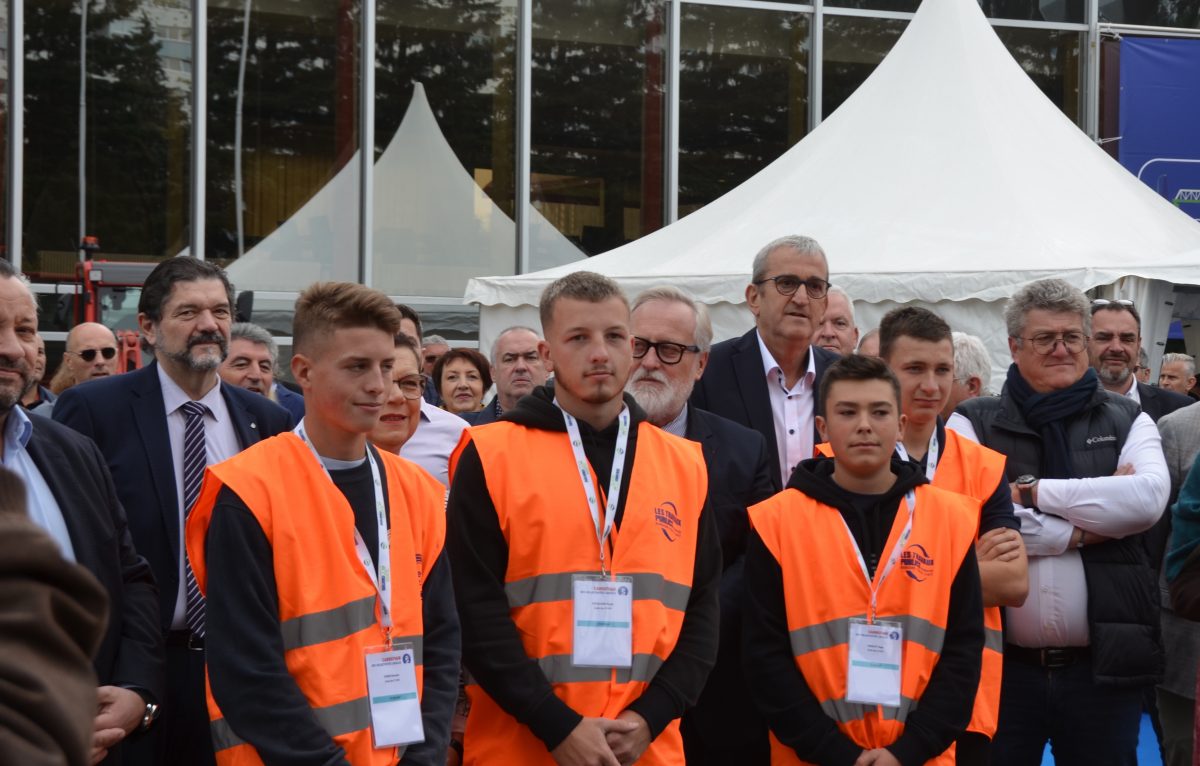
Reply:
x=610, y=541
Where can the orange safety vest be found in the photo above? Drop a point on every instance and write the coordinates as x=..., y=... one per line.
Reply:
x=975, y=471
x=824, y=589
x=328, y=606
x=536, y=490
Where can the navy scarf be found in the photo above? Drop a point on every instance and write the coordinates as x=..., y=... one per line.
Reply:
x=1048, y=415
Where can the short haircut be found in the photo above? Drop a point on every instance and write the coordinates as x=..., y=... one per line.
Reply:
x=472, y=356
x=849, y=301
x=579, y=286
x=1114, y=306
x=912, y=322
x=854, y=367
x=403, y=341
x=704, y=332
x=866, y=337
x=506, y=331
x=1054, y=295
x=182, y=268
x=797, y=242
x=255, y=334
x=434, y=340
x=328, y=306
x=1189, y=362
x=971, y=359
x=409, y=313
x=6, y=269
x=1143, y=358
x=72, y=335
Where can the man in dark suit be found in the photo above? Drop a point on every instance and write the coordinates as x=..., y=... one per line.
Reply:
x=517, y=368
x=140, y=421
x=672, y=334
x=768, y=379
x=1113, y=348
x=70, y=494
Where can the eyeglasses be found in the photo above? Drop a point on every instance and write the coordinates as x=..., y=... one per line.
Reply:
x=89, y=354
x=788, y=284
x=1045, y=342
x=412, y=386
x=668, y=353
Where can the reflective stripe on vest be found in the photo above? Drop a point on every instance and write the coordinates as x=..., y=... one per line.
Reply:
x=836, y=632
x=337, y=720
x=647, y=586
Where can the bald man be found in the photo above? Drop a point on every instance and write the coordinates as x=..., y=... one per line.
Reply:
x=91, y=352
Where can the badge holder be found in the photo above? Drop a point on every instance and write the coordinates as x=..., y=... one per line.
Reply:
x=602, y=615
x=873, y=674
x=392, y=691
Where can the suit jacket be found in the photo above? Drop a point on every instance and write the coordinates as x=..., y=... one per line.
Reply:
x=125, y=416
x=290, y=401
x=489, y=414
x=1157, y=402
x=724, y=726
x=131, y=652
x=734, y=387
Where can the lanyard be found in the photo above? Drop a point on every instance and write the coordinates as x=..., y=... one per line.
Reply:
x=910, y=500
x=931, y=455
x=383, y=580
x=589, y=487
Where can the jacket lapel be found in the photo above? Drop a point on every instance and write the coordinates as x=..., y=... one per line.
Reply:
x=751, y=383
x=150, y=420
x=48, y=456
x=245, y=424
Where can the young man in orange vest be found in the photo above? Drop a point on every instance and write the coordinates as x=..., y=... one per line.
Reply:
x=332, y=632
x=918, y=346
x=864, y=617
x=586, y=563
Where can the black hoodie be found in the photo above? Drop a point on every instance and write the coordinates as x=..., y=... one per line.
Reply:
x=492, y=648
x=777, y=685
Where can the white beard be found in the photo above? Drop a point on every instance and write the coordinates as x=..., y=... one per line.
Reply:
x=662, y=403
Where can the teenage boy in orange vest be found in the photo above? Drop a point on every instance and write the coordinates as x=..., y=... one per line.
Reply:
x=918, y=346
x=586, y=563
x=332, y=632
x=864, y=616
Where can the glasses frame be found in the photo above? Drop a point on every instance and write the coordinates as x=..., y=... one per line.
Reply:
x=658, y=346
x=821, y=291
x=1059, y=337
x=89, y=354
x=420, y=386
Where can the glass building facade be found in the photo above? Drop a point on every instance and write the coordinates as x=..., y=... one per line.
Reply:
x=502, y=136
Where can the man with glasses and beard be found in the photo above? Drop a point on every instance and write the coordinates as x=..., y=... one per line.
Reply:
x=768, y=378
x=671, y=337
x=158, y=427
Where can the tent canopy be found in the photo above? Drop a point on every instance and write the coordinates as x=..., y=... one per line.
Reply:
x=948, y=178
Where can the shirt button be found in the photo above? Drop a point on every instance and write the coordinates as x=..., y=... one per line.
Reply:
x=791, y=430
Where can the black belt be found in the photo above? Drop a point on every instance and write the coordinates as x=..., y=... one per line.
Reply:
x=1049, y=657
x=186, y=639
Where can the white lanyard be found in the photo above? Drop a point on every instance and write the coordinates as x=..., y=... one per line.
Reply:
x=910, y=500
x=383, y=580
x=589, y=487
x=931, y=455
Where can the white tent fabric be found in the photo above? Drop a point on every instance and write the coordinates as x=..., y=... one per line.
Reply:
x=946, y=179
x=434, y=227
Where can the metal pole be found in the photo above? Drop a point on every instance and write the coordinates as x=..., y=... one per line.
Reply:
x=16, y=131
x=366, y=147
x=674, y=12
x=816, y=68
x=83, y=18
x=1091, y=99
x=199, y=123
x=238, y=191
x=522, y=203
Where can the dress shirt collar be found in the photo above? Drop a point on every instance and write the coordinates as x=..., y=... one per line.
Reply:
x=1132, y=393
x=678, y=426
x=770, y=366
x=17, y=430
x=175, y=397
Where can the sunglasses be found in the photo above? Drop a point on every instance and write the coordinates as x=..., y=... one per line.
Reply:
x=89, y=354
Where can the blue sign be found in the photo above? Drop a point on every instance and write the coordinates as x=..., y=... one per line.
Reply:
x=1160, y=117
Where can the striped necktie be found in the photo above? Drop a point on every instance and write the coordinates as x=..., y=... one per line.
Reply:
x=195, y=458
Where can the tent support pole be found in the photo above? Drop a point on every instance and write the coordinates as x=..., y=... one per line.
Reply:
x=674, y=12
x=1091, y=98
x=366, y=146
x=522, y=202
x=816, y=70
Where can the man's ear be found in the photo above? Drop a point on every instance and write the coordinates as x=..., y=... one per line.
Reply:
x=975, y=386
x=821, y=429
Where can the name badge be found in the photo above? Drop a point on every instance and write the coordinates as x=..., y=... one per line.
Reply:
x=875, y=654
x=392, y=690
x=603, y=615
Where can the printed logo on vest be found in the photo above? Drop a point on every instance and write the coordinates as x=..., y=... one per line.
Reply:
x=1100, y=439
x=916, y=562
x=668, y=521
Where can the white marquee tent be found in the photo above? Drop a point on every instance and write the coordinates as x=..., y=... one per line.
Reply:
x=434, y=228
x=946, y=179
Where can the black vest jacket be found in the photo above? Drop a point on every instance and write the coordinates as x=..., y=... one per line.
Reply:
x=1123, y=621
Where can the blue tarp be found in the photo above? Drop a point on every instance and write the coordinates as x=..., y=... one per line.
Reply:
x=1160, y=116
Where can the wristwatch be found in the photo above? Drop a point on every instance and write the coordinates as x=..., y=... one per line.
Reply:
x=1025, y=484
x=149, y=717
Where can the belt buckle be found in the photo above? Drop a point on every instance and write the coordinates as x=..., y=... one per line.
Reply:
x=1056, y=657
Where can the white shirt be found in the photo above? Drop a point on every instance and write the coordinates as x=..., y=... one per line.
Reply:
x=435, y=438
x=791, y=410
x=1055, y=612
x=220, y=442
x=1132, y=393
